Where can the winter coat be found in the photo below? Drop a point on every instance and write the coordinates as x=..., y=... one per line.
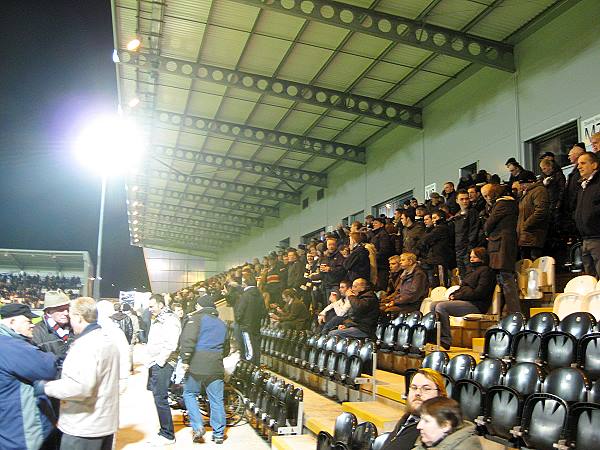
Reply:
x=572, y=187
x=125, y=323
x=464, y=438
x=587, y=213
x=357, y=263
x=163, y=338
x=412, y=287
x=204, y=343
x=438, y=246
x=501, y=231
x=450, y=200
x=336, y=273
x=294, y=315
x=364, y=312
x=46, y=339
x=384, y=246
x=295, y=275
x=412, y=237
x=555, y=185
x=25, y=419
x=403, y=436
x=534, y=215
x=89, y=386
x=250, y=310
x=465, y=230
x=477, y=287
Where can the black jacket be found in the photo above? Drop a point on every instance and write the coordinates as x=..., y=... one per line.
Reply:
x=438, y=246
x=555, y=186
x=501, y=231
x=250, y=310
x=204, y=343
x=587, y=213
x=357, y=263
x=569, y=202
x=47, y=340
x=477, y=287
x=450, y=200
x=412, y=237
x=402, y=437
x=364, y=312
x=125, y=324
x=411, y=289
x=295, y=275
x=383, y=244
x=465, y=230
x=337, y=273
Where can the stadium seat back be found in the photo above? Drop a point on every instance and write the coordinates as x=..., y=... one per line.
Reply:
x=489, y=372
x=544, y=419
x=342, y=345
x=366, y=356
x=503, y=409
x=582, y=284
x=542, y=322
x=353, y=347
x=595, y=392
x=389, y=337
x=344, y=427
x=569, y=383
x=513, y=323
x=497, y=343
x=380, y=441
x=330, y=343
x=591, y=304
x=567, y=303
x=379, y=331
x=400, y=319
x=525, y=378
x=470, y=397
x=558, y=349
x=526, y=346
x=588, y=355
x=584, y=426
x=460, y=367
x=403, y=337
x=363, y=436
x=438, y=293
x=324, y=441
x=436, y=360
x=413, y=318
x=577, y=324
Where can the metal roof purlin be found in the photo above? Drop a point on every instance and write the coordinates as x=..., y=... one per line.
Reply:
x=169, y=224
x=214, y=202
x=327, y=98
x=399, y=29
x=183, y=237
x=228, y=186
x=199, y=224
x=272, y=138
x=159, y=244
x=243, y=165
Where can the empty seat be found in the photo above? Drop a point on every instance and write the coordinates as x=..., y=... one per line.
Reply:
x=575, y=261
x=422, y=333
x=559, y=347
x=388, y=338
x=459, y=367
x=526, y=344
x=588, y=355
x=567, y=303
x=345, y=424
x=591, y=304
x=498, y=340
x=413, y=318
x=544, y=421
x=569, y=383
x=582, y=284
x=379, y=441
x=403, y=336
x=363, y=436
x=583, y=430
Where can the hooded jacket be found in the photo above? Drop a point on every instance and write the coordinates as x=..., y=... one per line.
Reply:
x=464, y=438
x=25, y=419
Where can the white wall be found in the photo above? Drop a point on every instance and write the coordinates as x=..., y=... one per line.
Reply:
x=486, y=118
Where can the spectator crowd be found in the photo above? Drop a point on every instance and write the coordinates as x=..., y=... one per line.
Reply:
x=30, y=289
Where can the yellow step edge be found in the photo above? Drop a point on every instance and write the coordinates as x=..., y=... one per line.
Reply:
x=296, y=442
x=383, y=416
x=392, y=391
x=478, y=344
x=318, y=424
x=534, y=311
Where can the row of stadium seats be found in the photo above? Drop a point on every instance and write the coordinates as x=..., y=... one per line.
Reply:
x=348, y=434
x=272, y=405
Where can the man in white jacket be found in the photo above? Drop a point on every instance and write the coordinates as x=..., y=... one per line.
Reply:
x=163, y=340
x=89, y=383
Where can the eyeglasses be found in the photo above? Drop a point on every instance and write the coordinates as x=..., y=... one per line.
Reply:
x=422, y=389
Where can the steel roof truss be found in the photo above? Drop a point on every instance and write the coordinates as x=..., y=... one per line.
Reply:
x=205, y=214
x=194, y=223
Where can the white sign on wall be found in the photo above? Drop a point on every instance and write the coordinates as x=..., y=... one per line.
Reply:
x=429, y=189
x=587, y=128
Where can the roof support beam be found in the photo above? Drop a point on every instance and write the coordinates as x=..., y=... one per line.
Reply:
x=212, y=202
x=158, y=226
x=244, y=165
x=170, y=246
x=266, y=137
x=196, y=224
x=213, y=216
x=326, y=98
x=397, y=29
x=229, y=186
x=209, y=243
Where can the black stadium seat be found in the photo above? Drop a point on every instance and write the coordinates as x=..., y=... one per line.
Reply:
x=379, y=441
x=498, y=340
x=559, y=347
x=544, y=421
x=583, y=430
x=345, y=424
x=526, y=344
x=569, y=383
x=363, y=436
x=459, y=368
x=588, y=355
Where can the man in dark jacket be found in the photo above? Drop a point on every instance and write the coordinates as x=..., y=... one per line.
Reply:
x=295, y=270
x=248, y=312
x=357, y=264
x=572, y=187
x=364, y=312
x=534, y=217
x=124, y=321
x=465, y=230
x=412, y=232
x=203, y=346
x=450, y=197
x=331, y=267
x=500, y=230
x=473, y=297
x=383, y=244
x=438, y=249
x=53, y=333
x=587, y=212
x=411, y=287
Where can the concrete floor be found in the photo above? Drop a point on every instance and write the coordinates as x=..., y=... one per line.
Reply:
x=139, y=422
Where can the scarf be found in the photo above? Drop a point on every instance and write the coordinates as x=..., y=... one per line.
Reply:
x=62, y=333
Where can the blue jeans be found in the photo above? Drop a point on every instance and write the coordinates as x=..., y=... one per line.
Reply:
x=159, y=380
x=455, y=308
x=214, y=392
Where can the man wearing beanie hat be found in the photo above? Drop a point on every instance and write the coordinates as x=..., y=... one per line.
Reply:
x=53, y=333
x=203, y=345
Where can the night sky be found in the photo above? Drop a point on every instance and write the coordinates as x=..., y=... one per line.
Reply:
x=56, y=70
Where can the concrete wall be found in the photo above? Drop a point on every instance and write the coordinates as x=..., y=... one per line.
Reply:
x=486, y=119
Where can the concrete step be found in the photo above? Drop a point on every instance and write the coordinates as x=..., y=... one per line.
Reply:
x=478, y=344
x=534, y=311
x=318, y=423
x=296, y=442
x=382, y=415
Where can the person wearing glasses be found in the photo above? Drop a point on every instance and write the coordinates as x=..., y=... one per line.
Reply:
x=424, y=385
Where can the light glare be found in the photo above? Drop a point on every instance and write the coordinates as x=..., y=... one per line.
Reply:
x=133, y=44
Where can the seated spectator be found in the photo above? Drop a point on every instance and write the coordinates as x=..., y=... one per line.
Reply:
x=534, y=209
x=293, y=315
x=357, y=264
x=424, y=385
x=442, y=427
x=336, y=312
x=473, y=297
x=364, y=312
x=393, y=280
x=411, y=287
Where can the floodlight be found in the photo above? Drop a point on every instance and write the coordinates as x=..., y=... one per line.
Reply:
x=110, y=145
x=133, y=44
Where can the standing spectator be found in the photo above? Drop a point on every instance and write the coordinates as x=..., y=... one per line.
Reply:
x=569, y=202
x=476, y=199
x=295, y=270
x=123, y=321
x=410, y=289
x=204, y=344
x=532, y=225
x=587, y=212
x=595, y=140
x=249, y=311
x=438, y=249
x=331, y=267
x=473, y=297
x=26, y=418
x=450, y=197
x=501, y=231
x=433, y=204
x=384, y=248
x=89, y=384
x=425, y=384
x=357, y=264
x=412, y=232
x=53, y=333
x=364, y=312
x=163, y=339
x=465, y=231
x=135, y=323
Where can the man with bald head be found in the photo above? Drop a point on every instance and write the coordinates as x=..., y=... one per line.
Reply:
x=595, y=140
x=500, y=229
x=587, y=212
x=364, y=312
